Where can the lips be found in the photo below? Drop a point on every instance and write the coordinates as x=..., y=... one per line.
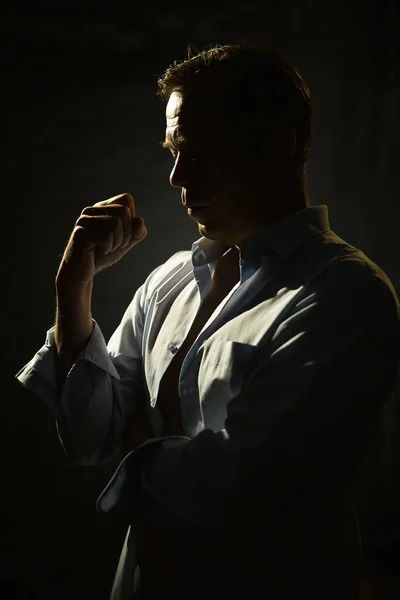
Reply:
x=199, y=213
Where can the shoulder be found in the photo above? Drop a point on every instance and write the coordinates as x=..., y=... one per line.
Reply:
x=342, y=269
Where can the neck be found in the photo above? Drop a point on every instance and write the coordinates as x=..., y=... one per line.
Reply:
x=291, y=194
x=292, y=197
x=292, y=188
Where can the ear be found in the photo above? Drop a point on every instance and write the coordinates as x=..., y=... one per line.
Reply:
x=294, y=141
x=285, y=139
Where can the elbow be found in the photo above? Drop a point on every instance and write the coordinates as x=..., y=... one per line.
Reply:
x=81, y=452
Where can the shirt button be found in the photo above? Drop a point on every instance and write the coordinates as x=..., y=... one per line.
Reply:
x=153, y=401
x=172, y=348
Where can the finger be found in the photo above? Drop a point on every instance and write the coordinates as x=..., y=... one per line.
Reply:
x=118, y=235
x=133, y=232
x=138, y=233
x=115, y=211
x=97, y=231
x=127, y=224
x=100, y=209
x=96, y=222
x=88, y=240
x=125, y=199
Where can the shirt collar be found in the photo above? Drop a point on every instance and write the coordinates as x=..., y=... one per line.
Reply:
x=282, y=237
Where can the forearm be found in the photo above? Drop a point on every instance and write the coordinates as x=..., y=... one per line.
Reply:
x=73, y=324
x=172, y=425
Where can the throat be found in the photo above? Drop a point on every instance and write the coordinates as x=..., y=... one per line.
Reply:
x=226, y=275
x=228, y=266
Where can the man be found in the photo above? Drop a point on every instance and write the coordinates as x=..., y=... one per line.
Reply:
x=246, y=377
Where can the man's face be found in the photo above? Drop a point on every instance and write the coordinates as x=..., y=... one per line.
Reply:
x=215, y=170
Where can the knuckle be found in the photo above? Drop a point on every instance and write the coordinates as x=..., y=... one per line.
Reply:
x=126, y=200
x=80, y=220
x=79, y=233
x=118, y=225
x=121, y=200
x=86, y=210
x=125, y=196
x=126, y=212
x=120, y=211
x=84, y=221
x=113, y=200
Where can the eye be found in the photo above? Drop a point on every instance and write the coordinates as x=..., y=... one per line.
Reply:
x=186, y=155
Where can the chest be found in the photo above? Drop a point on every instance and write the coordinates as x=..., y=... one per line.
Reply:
x=219, y=289
x=168, y=393
x=209, y=368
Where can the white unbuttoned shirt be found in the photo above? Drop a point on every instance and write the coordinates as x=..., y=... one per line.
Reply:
x=311, y=328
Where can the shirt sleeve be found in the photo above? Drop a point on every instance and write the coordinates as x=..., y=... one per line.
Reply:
x=303, y=418
x=103, y=387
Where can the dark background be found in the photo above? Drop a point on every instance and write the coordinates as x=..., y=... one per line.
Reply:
x=81, y=123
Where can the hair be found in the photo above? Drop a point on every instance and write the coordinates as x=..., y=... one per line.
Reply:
x=257, y=82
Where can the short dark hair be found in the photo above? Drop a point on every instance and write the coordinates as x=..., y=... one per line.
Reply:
x=256, y=79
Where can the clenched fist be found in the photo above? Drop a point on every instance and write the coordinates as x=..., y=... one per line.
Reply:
x=102, y=235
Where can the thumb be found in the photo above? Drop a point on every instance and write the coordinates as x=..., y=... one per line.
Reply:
x=140, y=228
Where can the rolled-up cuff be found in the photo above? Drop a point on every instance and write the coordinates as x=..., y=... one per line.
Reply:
x=124, y=492
x=39, y=373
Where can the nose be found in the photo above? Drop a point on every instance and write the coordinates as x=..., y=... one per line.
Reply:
x=181, y=173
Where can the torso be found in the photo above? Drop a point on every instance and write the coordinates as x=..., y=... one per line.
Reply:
x=153, y=560
x=221, y=284
x=226, y=275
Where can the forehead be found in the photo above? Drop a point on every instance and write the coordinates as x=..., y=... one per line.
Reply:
x=193, y=118
x=174, y=109
x=174, y=105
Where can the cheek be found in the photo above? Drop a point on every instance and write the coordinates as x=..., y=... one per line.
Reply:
x=226, y=171
x=237, y=178
x=230, y=175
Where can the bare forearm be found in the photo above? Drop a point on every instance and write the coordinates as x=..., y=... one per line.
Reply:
x=102, y=235
x=73, y=324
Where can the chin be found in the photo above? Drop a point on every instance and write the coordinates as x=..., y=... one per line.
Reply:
x=216, y=234
x=205, y=231
x=210, y=232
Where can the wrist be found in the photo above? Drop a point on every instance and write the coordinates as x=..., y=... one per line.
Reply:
x=172, y=427
x=66, y=283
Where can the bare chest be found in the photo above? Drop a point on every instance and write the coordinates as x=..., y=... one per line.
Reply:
x=222, y=283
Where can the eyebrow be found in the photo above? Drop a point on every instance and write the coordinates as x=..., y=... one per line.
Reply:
x=166, y=144
x=179, y=142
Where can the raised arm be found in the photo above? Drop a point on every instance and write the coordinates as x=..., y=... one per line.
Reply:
x=91, y=391
x=102, y=235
